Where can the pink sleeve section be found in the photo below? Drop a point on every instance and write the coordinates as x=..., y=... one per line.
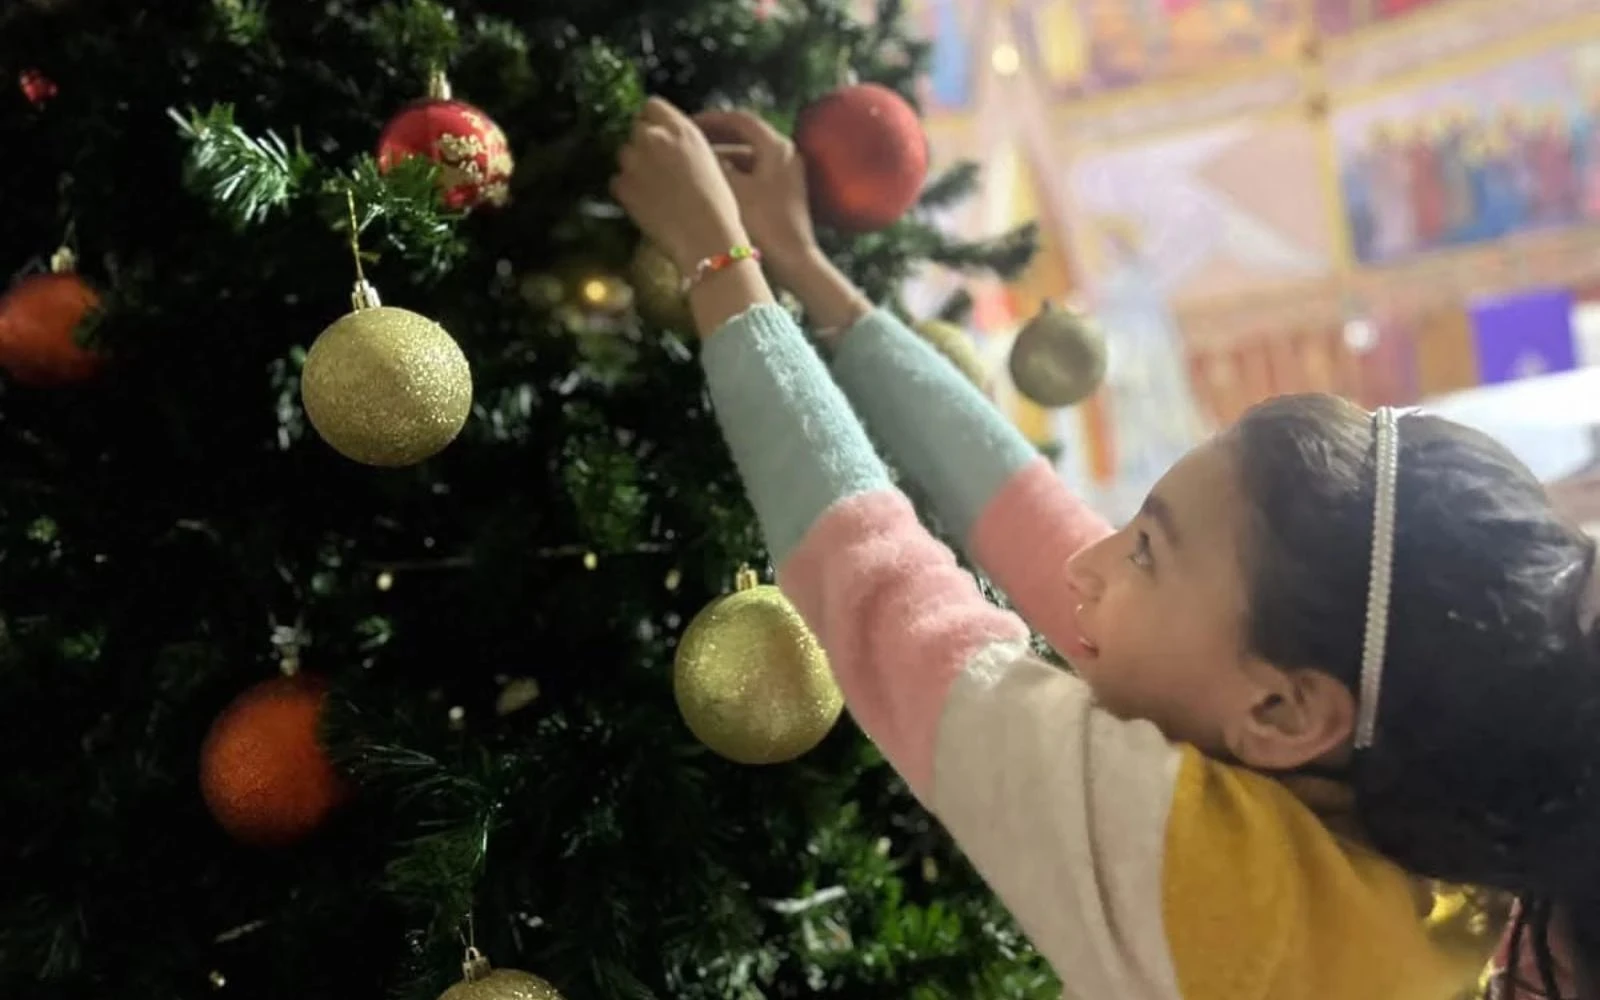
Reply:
x=898, y=617
x=1024, y=537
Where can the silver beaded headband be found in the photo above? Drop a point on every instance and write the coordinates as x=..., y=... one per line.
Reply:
x=1386, y=426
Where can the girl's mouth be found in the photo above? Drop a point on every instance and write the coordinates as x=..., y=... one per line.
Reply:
x=1085, y=645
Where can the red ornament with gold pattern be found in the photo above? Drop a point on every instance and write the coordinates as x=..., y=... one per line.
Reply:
x=41, y=323
x=471, y=150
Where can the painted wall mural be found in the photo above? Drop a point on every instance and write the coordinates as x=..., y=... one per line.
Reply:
x=1507, y=149
x=1317, y=189
x=1218, y=210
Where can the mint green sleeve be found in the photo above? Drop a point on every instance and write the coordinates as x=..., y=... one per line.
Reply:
x=932, y=422
x=799, y=446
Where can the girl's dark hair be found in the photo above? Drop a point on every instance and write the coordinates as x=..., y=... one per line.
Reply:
x=1483, y=771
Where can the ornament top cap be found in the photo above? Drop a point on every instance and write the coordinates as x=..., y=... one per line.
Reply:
x=364, y=296
x=475, y=966
x=746, y=579
x=438, y=85
x=63, y=261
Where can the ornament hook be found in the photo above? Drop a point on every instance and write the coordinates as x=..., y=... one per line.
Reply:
x=438, y=84
x=364, y=296
x=475, y=966
x=845, y=70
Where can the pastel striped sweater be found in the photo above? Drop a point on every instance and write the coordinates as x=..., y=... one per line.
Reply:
x=1138, y=868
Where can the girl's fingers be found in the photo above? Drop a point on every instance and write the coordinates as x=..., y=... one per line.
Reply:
x=739, y=127
x=659, y=112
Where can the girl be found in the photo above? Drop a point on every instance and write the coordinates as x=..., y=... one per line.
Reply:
x=1332, y=650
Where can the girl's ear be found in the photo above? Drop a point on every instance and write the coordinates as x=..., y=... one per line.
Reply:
x=1296, y=718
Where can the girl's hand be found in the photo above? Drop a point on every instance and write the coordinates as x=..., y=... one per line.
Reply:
x=770, y=184
x=671, y=184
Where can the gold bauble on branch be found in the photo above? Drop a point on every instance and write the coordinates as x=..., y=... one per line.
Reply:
x=386, y=386
x=1059, y=358
x=751, y=680
x=952, y=342
x=481, y=982
x=658, y=292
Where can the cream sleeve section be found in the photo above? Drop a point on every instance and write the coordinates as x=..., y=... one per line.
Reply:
x=1063, y=810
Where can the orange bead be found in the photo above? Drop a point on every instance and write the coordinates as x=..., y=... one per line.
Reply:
x=264, y=773
x=39, y=321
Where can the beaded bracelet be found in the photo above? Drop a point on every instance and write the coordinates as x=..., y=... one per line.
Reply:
x=721, y=262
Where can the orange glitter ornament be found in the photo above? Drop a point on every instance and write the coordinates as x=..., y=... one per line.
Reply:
x=39, y=321
x=264, y=773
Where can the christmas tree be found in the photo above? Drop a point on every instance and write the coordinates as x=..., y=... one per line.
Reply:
x=476, y=740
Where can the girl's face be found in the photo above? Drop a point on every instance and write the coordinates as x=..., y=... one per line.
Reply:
x=1161, y=612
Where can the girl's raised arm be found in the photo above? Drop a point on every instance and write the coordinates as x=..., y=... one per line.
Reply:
x=988, y=486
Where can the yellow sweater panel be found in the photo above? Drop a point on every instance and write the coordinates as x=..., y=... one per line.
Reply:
x=1262, y=900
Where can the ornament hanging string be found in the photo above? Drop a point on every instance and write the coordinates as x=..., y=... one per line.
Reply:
x=469, y=932
x=365, y=296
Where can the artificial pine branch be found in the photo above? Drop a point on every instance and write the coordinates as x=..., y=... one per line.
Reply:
x=242, y=22
x=416, y=37
x=957, y=308
x=1007, y=255
x=625, y=861
x=246, y=178
x=403, y=201
x=956, y=183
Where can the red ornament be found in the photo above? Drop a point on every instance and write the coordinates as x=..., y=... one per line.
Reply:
x=37, y=87
x=866, y=157
x=465, y=142
x=263, y=771
x=39, y=322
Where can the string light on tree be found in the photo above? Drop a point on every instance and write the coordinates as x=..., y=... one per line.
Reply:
x=751, y=680
x=384, y=386
x=605, y=293
x=471, y=150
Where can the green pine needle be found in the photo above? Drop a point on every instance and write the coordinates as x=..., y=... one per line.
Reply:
x=419, y=36
x=608, y=91
x=957, y=308
x=1007, y=255
x=244, y=176
x=404, y=202
x=951, y=186
x=242, y=22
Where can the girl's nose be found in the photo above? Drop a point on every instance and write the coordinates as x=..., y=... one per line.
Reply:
x=1084, y=572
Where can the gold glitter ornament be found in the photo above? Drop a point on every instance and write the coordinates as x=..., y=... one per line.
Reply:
x=658, y=293
x=953, y=342
x=480, y=982
x=751, y=680
x=1059, y=358
x=386, y=386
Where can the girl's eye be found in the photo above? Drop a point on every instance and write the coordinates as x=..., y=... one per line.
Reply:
x=1140, y=556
